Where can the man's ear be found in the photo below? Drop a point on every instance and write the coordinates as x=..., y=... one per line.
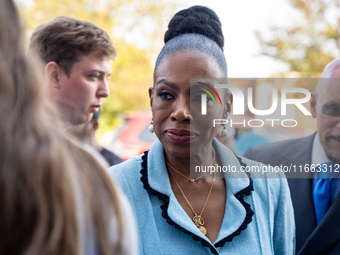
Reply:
x=151, y=89
x=313, y=104
x=53, y=72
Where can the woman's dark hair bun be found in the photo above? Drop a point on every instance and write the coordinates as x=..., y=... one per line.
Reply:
x=196, y=20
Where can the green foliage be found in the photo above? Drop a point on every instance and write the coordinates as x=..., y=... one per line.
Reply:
x=131, y=76
x=311, y=42
x=132, y=70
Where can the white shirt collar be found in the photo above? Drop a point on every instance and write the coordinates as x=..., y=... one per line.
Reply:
x=318, y=152
x=319, y=157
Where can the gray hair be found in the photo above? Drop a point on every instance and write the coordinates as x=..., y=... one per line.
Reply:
x=195, y=42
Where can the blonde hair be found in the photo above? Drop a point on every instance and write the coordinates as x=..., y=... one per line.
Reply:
x=54, y=195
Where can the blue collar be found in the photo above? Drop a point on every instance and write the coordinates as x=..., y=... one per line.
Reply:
x=156, y=181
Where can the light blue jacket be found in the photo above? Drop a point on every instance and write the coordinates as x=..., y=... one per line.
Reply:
x=258, y=215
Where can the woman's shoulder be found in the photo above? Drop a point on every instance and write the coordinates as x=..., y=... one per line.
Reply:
x=127, y=173
x=261, y=170
x=270, y=184
x=128, y=167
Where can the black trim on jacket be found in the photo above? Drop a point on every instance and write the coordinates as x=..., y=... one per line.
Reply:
x=165, y=199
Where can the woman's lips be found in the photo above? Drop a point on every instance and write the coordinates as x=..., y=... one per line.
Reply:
x=180, y=136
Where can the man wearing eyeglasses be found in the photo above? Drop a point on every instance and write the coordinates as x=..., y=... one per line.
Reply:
x=315, y=195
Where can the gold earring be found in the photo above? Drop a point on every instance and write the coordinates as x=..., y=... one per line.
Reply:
x=222, y=131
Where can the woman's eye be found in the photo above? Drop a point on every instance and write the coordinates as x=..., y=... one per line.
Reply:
x=164, y=95
x=199, y=97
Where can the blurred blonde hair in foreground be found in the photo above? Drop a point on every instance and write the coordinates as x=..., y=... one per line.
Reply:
x=54, y=196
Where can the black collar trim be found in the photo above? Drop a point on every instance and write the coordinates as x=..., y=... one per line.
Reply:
x=249, y=212
x=165, y=199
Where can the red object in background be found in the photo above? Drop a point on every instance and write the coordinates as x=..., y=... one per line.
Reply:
x=133, y=137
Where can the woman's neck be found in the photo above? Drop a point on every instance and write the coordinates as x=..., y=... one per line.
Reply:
x=195, y=165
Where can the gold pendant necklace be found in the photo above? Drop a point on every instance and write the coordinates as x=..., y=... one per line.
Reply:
x=186, y=177
x=197, y=219
x=190, y=179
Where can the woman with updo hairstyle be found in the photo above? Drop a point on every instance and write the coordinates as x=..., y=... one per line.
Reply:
x=180, y=210
x=55, y=198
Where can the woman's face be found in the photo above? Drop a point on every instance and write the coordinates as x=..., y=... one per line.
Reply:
x=176, y=103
